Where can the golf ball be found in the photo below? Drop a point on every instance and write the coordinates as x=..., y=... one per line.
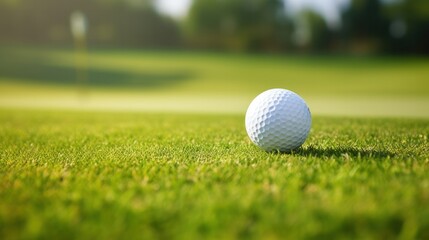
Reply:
x=278, y=120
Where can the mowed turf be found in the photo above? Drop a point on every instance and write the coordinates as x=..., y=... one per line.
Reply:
x=68, y=175
x=183, y=81
x=128, y=174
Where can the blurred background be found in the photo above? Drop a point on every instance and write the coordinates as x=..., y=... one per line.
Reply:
x=345, y=57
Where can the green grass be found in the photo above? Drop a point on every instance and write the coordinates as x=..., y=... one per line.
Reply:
x=102, y=175
x=208, y=82
x=150, y=163
x=211, y=73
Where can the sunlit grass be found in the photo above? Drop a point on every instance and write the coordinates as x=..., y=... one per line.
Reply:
x=131, y=175
x=248, y=74
x=212, y=82
x=120, y=173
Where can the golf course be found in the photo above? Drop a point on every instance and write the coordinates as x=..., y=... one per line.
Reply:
x=141, y=144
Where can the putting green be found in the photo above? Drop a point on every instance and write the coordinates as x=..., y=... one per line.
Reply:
x=127, y=80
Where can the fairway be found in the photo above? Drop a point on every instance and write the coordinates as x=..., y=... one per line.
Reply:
x=198, y=82
x=75, y=175
x=152, y=145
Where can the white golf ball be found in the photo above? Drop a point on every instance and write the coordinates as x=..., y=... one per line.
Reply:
x=278, y=120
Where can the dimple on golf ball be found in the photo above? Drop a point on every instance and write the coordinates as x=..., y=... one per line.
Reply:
x=278, y=120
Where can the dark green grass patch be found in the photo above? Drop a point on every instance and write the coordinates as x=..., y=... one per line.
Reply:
x=88, y=175
x=205, y=73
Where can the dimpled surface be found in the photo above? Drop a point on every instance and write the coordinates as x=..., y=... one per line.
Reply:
x=278, y=120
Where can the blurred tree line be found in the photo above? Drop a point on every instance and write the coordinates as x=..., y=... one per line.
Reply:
x=367, y=26
x=401, y=26
x=240, y=25
x=124, y=23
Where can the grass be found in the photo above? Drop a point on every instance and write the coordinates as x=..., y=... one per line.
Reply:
x=102, y=175
x=150, y=163
x=216, y=83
